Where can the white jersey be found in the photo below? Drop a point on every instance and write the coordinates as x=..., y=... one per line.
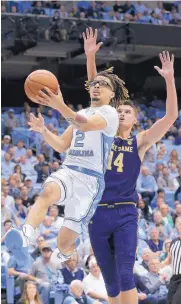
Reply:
x=91, y=149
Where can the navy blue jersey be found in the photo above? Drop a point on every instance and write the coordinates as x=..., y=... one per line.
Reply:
x=122, y=172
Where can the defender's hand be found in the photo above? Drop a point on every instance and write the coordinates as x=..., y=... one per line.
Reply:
x=167, y=70
x=90, y=45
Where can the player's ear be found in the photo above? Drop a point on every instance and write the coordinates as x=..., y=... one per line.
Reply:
x=113, y=95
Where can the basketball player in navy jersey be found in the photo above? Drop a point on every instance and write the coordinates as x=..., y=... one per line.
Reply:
x=113, y=228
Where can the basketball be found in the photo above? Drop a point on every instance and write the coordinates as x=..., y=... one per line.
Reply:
x=37, y=80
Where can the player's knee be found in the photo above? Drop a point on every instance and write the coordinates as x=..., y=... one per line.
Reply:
x=51, y=193
x=126, y=277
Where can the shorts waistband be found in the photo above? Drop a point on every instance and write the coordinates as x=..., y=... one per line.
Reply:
x=84, y=171
x=114, y=205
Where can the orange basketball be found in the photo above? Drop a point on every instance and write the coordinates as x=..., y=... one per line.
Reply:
x=37, y=80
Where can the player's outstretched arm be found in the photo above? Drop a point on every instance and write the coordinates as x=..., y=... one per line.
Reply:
x=58, y=143
x=158, y=130
x=91, y=47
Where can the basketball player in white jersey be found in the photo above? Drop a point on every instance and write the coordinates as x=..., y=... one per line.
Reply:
x=79, y=183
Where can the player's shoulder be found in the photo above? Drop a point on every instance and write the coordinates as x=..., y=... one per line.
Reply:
x=108, y=108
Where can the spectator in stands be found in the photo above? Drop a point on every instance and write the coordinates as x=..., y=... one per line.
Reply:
x=6, y=144
x=93, y=11
x=94, y=285
x=173, y=171
x=7, y=166
x=48, y=231
x=62, y=12
x=31, y=190
x=10, y=122
x=177, y=211
x=38, y=10
x=143, y=292
x=19, y=150
x=74, y=12
x=13, y=187
x=163, y=228
x=3, y=9
x=9, y=200
x=18, y=172
x=160, y=195
x=49, y=119
x=166, y=247
x=146, y=210
x=166, y=215
x=75, y=294
x=155, y=244
x=44, y=270
x=146, y=256
x=159, y=170
x=105, y=36
x=14, y=9
x=31, y=159
x=56, y=29
x=7, y=216
x=26, y=167
x=20, y=272
x=19, y=209
x=71, y=272
x=24, y=195
x=44, y=173
x=57, y=220
x=155, y=283
x=146, y=184
x=38, y=167
x=178, y=137
x=11, y=153
x=37, y=252
x=174, y=158
x=7, y=225
x=164, y=180
x=30, y=294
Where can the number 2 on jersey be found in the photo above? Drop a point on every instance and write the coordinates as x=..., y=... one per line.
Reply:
x=79, y=138
x=118, y=162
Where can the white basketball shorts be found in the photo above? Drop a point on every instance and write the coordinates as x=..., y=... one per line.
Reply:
x=80, y=193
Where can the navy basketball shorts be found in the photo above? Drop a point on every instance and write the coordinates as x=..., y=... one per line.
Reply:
x=113, y=234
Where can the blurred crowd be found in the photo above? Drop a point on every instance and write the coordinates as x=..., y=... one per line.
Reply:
x=25, y=166
x=137, y=11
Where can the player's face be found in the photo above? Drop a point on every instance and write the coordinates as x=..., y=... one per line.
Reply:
x=127, y=116
x=101, y=91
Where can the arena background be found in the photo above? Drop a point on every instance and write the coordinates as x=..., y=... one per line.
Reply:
x=30, y=41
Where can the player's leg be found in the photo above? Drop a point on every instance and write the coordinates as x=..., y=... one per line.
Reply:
x=17, y=241
x=100, y=228
x=125, y=242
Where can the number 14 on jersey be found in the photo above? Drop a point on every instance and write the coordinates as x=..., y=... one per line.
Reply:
x=117, y=163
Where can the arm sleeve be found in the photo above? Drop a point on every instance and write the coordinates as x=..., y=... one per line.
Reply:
x=111, y=117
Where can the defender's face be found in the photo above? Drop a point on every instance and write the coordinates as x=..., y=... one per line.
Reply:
x=101, y=90
x=127, y=116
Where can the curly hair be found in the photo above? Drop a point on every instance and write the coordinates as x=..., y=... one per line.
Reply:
x=121, y=92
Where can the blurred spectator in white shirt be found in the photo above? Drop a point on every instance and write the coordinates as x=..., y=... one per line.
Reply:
x=58, y=221
x=19, y=150
x=31, y=159
x=94, y=285
x=165, y=180
x=9, y=200
x=7, y=166
x=6, y=143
